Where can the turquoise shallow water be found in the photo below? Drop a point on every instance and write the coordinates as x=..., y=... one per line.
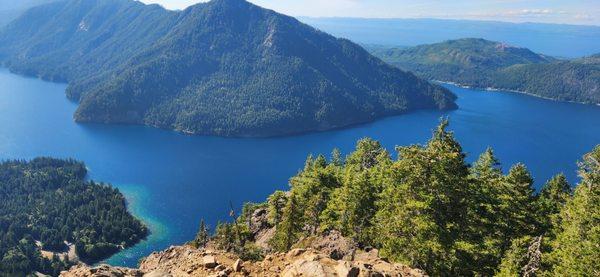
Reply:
x=172, y=180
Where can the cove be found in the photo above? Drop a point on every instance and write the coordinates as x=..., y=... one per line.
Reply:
x=172, y=180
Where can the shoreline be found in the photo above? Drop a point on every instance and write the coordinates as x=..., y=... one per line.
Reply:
x=136, y=197
x=493, y=89
x=310, y=131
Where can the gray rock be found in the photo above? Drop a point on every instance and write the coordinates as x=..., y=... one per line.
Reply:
x=209, y=261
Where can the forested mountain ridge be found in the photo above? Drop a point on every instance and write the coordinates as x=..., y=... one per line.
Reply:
x=226, y=67
x=487, y=64
x=47, y=202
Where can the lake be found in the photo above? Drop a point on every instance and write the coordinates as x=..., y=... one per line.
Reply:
x=172, y=180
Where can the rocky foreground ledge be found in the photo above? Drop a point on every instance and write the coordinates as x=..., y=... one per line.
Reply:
x=187, y=261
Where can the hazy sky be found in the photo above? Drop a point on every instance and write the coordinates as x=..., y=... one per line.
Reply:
x=553, y=11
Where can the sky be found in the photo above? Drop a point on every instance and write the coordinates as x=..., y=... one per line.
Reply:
x=586, y=12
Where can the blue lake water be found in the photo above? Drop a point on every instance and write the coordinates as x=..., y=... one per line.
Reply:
x=173, y=180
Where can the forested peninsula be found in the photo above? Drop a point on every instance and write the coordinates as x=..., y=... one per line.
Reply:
x=494, y=65
x=48, y=212
x=225, y=68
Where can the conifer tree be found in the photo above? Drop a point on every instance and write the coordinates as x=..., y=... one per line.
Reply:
x=551, y=199
x=484, y=237
x=352, y=207
x=421, y=211
x=276, y=203
x=353, y=203
x=576, y=250
x=336, y=157
x=518, y=204
x=288, y=231
x=202, y=236
x=312, y=188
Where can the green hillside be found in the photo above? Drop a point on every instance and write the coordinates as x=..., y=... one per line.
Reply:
x=226, y=68
x=487, y=64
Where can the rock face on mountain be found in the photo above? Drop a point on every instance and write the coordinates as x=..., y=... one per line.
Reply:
x=187, y=261
x=226, y=68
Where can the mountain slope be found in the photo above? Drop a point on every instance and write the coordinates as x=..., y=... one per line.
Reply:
x=225, y=67
x=574, y=81
x=482, y=63
x=67, y=40
x=9, y=9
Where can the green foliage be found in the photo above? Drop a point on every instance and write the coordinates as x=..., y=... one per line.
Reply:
x=422, y=209
x=519, y=202
x=481, y=63
x=220, y=68
x=251, y=252
x=515, y=258
x=225, y=237
x=432, y=210
x=202, y=237
x=276, y=203
x=249, y=208
x=288, y=231
x=577, y=246
x=49, y=201
x=235, y=237
x=551, y=199
x=353, y=197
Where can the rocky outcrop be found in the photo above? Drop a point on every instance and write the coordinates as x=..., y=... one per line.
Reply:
x=334, y=245
x=102, y=270
x=187, y=261
x=260, y=228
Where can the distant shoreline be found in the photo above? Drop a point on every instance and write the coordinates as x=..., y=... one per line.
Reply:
x=493, y=89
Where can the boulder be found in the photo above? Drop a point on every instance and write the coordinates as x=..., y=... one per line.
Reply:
x=237, y=266
x=209, y=261
x=335, y=245
x=345, y=269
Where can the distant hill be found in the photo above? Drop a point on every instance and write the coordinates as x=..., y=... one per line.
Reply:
x=226, y=68
x=560, y=40
x=10, y=9
x=488, y=64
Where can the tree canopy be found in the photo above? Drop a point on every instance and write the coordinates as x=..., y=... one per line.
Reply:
x=45, y=203
x=429, y=208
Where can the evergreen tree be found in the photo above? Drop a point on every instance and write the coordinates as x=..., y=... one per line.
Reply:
x=421, y=211
x=352, y=207
x=288, y=231
x=312, y=189
x=482, y=239
x=225, y=237
x=336, y=157
x=353, y=203
x=576, y=251
x=366, y=153
x=276, y=203
x=518, y=204
x=551, y=199
x=202, y=237
x=523, y=258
